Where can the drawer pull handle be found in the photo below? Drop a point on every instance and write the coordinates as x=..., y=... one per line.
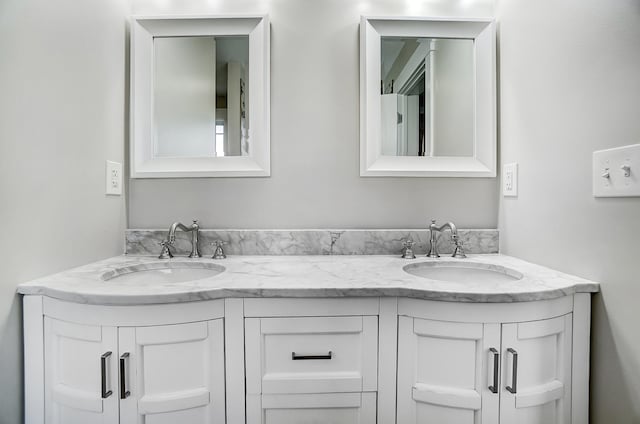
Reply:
x=514, y=372
x=295, y=357
x=496, y=365
x=124, y=393
x=103, y=375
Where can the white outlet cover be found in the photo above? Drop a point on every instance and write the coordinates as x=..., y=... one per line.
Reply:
x=510, y=179
x=113, y=178
x=616, y=172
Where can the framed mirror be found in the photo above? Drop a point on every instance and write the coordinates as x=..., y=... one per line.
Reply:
x=199, y=97
x=427, y=97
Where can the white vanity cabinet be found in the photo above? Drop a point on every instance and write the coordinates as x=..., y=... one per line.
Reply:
x=123, y=370
x=471, y=365
x=372, y=360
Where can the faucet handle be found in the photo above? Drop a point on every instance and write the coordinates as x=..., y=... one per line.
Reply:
x=408, y=249
x=166, y=251
x=458, y=251
x=219, y=252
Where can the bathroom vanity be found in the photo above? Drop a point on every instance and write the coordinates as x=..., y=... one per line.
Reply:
x=333, y=339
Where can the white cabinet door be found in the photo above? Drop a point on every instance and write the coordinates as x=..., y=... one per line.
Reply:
x=541, y=373
x=76, y=357
x=445, y=370
x=323, y=408
x=174, y=373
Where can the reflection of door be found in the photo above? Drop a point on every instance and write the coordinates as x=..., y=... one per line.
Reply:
x=235, y=121
x=400, y=125
x=389, y=121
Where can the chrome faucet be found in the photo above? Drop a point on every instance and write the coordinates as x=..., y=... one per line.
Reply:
x=433, y=249
x=171, y=238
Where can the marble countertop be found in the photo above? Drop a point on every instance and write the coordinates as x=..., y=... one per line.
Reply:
x=303, y=276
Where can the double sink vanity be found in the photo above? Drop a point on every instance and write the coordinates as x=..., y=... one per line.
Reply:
x=309, y=326
x=337, y=339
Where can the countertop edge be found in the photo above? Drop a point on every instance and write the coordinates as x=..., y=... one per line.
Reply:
x=383, y=281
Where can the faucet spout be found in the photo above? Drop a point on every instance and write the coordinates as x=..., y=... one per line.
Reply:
x=193, y=229
x=433, y=230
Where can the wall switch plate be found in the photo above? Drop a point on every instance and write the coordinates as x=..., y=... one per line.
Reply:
x=114, y=178
x=510, y=179
x=616, y=172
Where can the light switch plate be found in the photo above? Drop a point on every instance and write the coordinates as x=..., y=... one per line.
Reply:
x=616, y=172
x=510, y=179
x=113, y=178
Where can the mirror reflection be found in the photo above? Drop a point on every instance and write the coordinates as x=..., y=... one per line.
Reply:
x=200, y=99
x=428, y=100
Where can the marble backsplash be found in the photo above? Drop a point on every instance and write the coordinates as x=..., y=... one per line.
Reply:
x=310, y=242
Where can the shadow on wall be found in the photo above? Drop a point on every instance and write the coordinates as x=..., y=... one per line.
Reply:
x=618, y=399
x=11, y=364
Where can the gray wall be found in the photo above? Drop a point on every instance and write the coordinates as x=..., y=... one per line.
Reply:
x=569, y=85
x=62, y=97
x=315, y=180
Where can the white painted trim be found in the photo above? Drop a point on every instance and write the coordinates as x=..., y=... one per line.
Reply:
x=580, y=358
x=253, y=356
x=254, y=409
x=133, y=315
x=485, y=312
x=310, y=307
x=484, y=161
x=368, y=408
x=33, y=321
x=313, y=400
x=234, y=363
x=491, y=338
x=369, y=354
x=143, y=164
x=129, y=406
x=446, y=396
x=387, y=362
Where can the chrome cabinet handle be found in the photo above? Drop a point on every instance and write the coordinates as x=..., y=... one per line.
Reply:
x=514, y=372
x=295, y=357
x=496, y=365
x=124, y=393
x=103, y=375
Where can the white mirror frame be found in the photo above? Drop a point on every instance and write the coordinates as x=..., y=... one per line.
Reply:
x=483, y=162
x=143, y=162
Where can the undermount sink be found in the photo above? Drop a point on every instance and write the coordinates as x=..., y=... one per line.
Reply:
x=162, y=273
x=463, y=272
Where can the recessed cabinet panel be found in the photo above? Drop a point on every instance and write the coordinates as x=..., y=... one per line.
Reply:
x=429, y=413
x=80, y=373
x=175, y=373
x=541, y=374
x=444, y=371
x=311, y=355
x=325, y=408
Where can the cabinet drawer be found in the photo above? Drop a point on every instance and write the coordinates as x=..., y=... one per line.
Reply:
x=311, y=354
x=325, y=408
